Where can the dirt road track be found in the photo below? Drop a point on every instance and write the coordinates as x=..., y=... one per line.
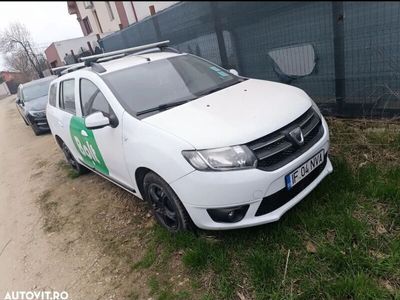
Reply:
x=30, y=258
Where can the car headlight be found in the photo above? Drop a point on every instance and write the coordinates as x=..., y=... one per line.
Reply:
x=221, y=159
x=38, y=114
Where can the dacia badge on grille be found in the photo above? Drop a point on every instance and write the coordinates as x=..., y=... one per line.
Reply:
x=296, y=136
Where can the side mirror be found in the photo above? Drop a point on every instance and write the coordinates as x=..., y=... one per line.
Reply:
x=96, y=120
x=234, y=72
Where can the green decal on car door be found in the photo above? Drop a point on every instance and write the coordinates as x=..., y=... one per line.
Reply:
x=85, y=143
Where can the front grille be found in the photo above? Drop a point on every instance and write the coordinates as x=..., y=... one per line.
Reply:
x=276, y=149
x=281, y=197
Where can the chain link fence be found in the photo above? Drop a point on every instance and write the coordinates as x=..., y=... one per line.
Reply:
x=345, y=55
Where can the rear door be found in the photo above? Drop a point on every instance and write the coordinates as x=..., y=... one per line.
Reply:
x=66, y=112
x=52, y=110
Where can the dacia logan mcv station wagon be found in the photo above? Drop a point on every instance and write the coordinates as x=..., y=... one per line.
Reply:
x=202, y=145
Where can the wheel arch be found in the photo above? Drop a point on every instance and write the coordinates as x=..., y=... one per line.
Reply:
x=140, y=173
x=59, y=140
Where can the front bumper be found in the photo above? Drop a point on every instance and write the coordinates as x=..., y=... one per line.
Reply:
x=200, y=191
x=40, y=123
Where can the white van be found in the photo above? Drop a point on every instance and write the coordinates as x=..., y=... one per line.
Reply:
x=201, y=144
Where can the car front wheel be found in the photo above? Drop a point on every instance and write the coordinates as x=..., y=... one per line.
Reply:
x=167, y=208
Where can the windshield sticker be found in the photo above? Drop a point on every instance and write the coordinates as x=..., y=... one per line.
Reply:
x=221, y=73
x=86, y=145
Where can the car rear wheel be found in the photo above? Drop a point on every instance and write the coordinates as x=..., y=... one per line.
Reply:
x=167, y=208
x=72, y=161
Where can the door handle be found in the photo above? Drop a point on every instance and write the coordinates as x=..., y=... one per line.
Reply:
x=84, y=133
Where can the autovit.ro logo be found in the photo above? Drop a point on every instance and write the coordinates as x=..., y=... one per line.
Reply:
x=36, y=295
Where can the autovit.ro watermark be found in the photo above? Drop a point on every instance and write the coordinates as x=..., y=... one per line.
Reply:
x=36, y=295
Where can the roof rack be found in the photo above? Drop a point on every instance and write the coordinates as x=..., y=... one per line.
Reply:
x=94, y=60
x=71, y=68
x=88, y=60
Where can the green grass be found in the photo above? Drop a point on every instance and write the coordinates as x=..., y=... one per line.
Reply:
x=352, y=218
x=164, y=292
x=148, y=260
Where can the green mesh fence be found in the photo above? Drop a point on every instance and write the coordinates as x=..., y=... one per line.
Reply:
x=345, y=55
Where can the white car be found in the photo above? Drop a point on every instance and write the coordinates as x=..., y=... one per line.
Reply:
x=201, y=144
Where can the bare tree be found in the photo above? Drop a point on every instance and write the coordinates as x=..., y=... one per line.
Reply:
x=18, y=61
x=16, y=39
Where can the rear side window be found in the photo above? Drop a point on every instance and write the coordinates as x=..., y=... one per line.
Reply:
x=53, y=94
x=67, y=95
x=92, y=100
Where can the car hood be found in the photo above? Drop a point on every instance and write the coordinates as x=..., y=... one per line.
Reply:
x=235, y=115
x=36, y=104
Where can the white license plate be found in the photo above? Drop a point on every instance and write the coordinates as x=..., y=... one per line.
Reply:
x=305, y=169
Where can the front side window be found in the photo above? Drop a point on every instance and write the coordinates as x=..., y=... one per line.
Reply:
x=53, y=94
x=160, y=82
x=92, y=100
x=67, y=95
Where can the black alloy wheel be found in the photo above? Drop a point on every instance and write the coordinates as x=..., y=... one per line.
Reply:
x=167, y=208
x=163, y=209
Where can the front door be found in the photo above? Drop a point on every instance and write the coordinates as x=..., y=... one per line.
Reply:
x=100, y=148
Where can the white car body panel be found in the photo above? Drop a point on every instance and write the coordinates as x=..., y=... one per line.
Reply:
x=235, y=115
x=149, y=147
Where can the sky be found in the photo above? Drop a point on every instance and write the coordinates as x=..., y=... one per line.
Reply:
x=47, y=21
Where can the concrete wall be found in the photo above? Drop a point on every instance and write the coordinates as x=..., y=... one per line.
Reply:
x=122, y=11
x=129, y=11
x=107, y=25
x=52, y=56
x=74, y=44
x=143, y=11
x=57, y=50
x=4, y=90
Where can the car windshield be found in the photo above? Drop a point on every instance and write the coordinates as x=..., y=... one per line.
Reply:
x=34, y=91
x=173, y=80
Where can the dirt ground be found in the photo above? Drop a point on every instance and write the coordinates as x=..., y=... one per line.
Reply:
x=60, y=233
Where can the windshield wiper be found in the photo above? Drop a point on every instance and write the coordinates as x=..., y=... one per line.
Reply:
x=162, y=107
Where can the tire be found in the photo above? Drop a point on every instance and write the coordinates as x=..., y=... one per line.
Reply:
x=72, y=161
x=166, y=206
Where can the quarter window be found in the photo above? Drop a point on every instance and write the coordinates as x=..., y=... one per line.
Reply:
x=53, y=94
x=67, y=95
x=92, y=100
